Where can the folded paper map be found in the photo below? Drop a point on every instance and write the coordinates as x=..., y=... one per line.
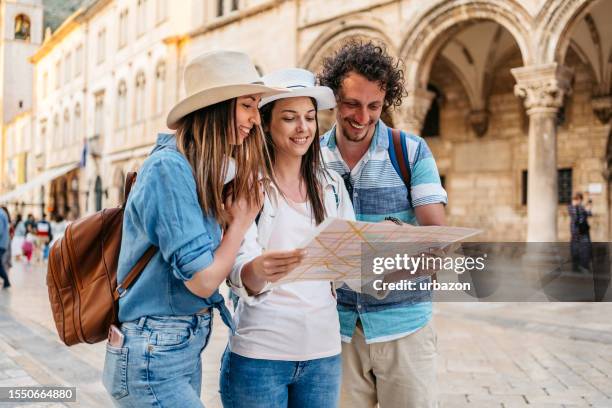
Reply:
x=334, y=250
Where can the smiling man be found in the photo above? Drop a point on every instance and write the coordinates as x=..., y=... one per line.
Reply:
x=389, y=345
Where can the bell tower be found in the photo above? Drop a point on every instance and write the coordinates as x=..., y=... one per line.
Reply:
x=21, y=33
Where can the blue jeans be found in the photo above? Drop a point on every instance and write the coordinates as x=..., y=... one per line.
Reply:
x=159, y=364
x=257, y=383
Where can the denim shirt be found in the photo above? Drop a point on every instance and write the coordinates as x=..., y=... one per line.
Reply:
x=163, y=210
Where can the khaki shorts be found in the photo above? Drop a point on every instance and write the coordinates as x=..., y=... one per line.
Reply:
x=396, y=373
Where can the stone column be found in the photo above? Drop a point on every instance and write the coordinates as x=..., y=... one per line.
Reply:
x=543, y=88
x=410, y=117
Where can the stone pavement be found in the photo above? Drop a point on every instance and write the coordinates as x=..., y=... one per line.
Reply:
x=32, y=354
x=491, y=354
x=520, y=355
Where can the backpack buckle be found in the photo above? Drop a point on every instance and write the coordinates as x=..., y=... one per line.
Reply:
x=121, y=291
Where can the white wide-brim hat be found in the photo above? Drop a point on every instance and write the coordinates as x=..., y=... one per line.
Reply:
x=299, y=82
x=215, y=77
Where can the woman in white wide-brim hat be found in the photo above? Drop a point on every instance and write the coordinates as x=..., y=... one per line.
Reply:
x=177, y=208
x=285, y=351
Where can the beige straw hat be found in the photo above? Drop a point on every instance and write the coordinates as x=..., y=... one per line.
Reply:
x=214, y=77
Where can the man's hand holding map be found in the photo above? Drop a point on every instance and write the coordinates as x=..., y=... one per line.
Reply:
x=334, y=250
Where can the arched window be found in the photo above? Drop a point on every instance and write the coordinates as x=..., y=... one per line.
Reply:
x=139, y=100
x=141, y=20
x=77, y=124
x=98, y=193
x=56, y=138
x=68, y=68
x=160, y=81
x=121, y=114
x=22, y=27
x=62, y=203
x=74, y=198
x=43, y=135
x=161, y=10
x=123, y=28
x=99, y=114
x=66, y=134
x=431, y=127
x=220, y=11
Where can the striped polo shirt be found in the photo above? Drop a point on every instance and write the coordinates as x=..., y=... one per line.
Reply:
x=379, y=192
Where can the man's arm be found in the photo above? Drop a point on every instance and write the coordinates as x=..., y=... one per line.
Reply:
x=430, y=214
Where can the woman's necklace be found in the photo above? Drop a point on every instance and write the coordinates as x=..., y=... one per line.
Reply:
x=294, y=192
x=296, y=198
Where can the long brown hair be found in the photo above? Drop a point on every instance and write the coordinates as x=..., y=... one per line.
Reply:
x=205, y=138
x=311, y=169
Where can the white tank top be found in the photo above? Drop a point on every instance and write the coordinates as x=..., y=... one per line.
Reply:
x=296, y=321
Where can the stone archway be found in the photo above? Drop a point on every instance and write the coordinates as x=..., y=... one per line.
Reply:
x=74, y=211
x=59, y=196
x=98, y=192
x=557, y=20
x=577, y=36
x=330, y=40
x=432, y=30
x=435, y=26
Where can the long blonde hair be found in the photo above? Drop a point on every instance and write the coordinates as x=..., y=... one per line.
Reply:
x=205, y=138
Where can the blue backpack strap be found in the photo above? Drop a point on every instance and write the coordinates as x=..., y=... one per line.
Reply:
x=397, y=143
x=329, y=177
x=336, y=196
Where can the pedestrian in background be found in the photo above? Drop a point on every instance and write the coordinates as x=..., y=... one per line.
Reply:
x=43, y=236
x=4, y=245
x=177, y=206
x=30, y=224
x=18, y=236
x=28, y=246
x=288, y=334
x=8, y=255
x=580, y=234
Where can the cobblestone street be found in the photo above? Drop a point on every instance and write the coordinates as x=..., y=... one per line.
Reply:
x=491, y=354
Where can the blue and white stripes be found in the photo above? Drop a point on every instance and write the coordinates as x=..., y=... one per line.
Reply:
x=379, y=192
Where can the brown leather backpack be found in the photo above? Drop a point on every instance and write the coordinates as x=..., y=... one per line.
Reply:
x=82, y=274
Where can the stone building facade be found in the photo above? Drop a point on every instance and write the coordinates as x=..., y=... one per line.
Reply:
x=513, y=97
x=21, y=25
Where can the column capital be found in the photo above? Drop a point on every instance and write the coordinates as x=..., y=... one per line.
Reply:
x=542, y=86
x=410, y=116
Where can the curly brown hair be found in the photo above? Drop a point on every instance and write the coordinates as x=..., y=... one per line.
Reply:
x=370, y=60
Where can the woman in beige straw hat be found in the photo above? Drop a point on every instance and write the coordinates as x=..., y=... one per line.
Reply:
x=177, y=206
